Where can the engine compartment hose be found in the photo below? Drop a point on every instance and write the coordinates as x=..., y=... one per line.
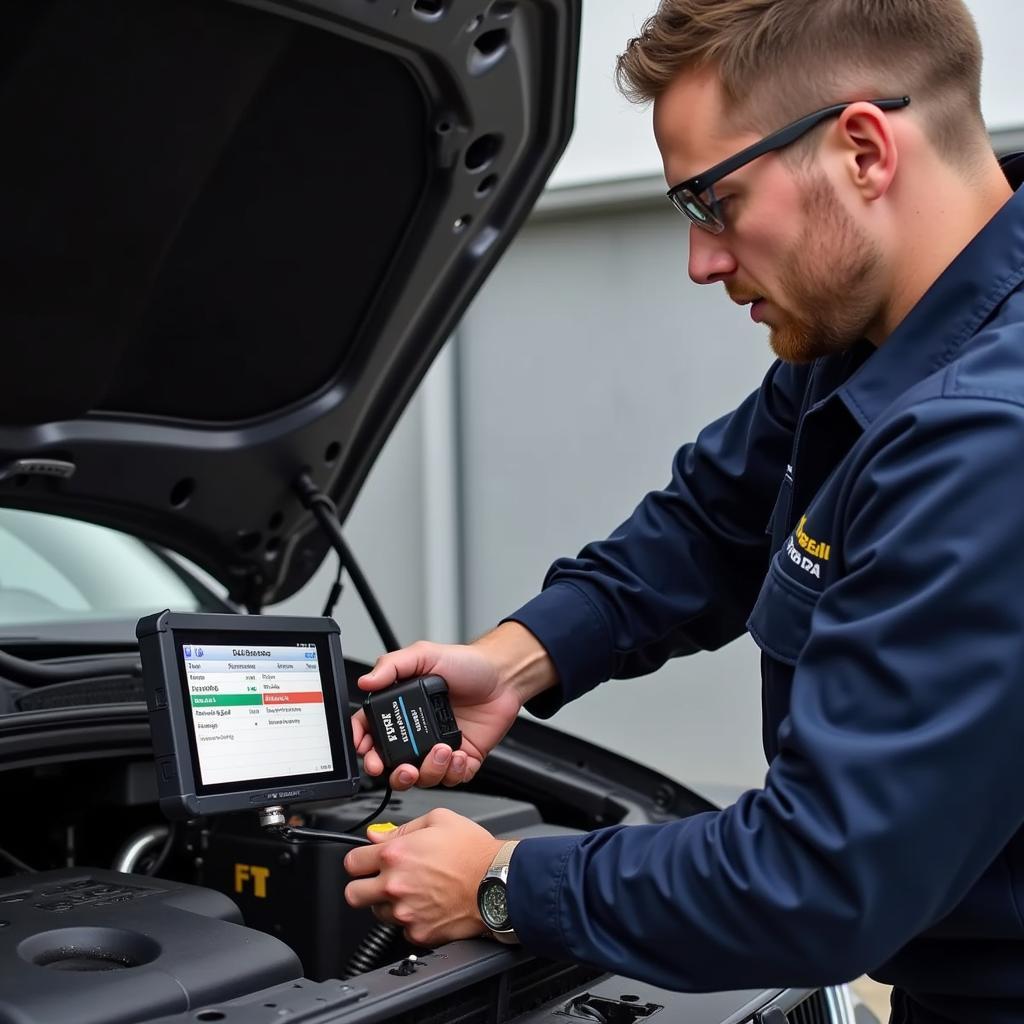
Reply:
x=376, y=949
x=20, y=670
x=131, y=854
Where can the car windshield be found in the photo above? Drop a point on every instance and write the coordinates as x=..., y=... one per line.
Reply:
x=56, y=570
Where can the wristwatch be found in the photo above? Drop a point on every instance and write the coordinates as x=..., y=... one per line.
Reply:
x=491, y=898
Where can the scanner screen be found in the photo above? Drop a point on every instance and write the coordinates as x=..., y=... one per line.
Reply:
x=257, y=711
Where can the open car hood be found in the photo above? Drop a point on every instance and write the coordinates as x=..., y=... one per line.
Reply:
x=235, y=236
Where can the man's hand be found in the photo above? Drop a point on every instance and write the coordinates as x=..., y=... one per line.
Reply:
x=424, y=876
x=488, y=682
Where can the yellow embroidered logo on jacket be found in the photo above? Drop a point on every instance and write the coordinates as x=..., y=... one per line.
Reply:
x=815, y=548
x=805, y=552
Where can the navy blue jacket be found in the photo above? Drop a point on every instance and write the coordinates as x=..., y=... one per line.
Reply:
x=863, y=519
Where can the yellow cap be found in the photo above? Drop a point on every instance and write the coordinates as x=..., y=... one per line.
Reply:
x=382, y=826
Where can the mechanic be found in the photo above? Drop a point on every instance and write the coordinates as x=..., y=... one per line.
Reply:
x=882, y=245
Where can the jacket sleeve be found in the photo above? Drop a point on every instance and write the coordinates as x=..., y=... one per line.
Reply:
x=898, y=778
x=681, y=574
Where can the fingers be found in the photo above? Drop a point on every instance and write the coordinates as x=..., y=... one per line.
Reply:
x=459, y=769
x=435, y=765
x=365, y=892
x=473, y=765
x=367, y=860
x=381, y=831
x=440, y=766
x=424, y=821
x=383, y=913
x=361, y=738
x=372, y=764
x=364, y=861
x=362, y=741
x=403, y=777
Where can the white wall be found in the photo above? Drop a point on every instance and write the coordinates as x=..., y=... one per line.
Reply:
x=573, y=405
x=613, y=138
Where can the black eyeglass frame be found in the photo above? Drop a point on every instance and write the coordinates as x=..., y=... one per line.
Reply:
x=688, y=193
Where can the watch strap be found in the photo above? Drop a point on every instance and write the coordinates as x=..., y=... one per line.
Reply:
x=503, y=857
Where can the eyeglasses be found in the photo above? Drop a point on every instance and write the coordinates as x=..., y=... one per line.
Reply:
x=695, y=198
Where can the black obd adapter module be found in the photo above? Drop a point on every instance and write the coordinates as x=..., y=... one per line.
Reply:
x=409, y=718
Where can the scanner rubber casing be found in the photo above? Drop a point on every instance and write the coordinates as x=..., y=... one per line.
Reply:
x=177, y=783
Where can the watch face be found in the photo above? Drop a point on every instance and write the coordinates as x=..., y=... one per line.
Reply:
x=493, y=904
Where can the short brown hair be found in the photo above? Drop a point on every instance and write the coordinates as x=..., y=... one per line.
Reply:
x=780, y=59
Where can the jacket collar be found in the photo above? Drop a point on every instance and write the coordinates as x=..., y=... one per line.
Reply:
x=950, y=312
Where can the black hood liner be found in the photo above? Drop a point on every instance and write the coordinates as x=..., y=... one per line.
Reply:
x=170, y=201
x=235, y=234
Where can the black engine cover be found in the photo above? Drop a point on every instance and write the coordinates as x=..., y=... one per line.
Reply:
x=86, y=946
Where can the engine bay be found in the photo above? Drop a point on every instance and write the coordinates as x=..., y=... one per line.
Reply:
x=134, y=917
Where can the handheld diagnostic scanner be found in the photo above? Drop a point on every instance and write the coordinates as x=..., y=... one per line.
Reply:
x=246, y=711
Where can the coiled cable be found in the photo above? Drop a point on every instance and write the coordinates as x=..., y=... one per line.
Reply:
x=377, y=948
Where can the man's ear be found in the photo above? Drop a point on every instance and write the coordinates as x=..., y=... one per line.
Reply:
x=868, y=148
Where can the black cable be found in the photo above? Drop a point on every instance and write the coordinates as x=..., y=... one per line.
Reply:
x=23, y=671
x=376, y=814
x=15, y=862
x=298, y=833
x=326, y=513
x=375, y=949
x=334, y=595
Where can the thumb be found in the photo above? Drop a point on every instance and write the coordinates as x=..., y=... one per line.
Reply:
x=382, y=831
x=404, y=664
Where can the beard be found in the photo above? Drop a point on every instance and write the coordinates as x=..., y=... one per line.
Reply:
x=830, y=279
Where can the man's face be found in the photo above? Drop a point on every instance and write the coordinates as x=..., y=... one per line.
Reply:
x=790, y=249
